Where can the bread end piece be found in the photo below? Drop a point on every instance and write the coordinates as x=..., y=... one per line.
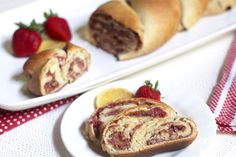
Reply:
x=115, y=28
x=47, y=71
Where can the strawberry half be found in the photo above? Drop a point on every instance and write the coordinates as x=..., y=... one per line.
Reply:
x=148, y=91
x=26, y=40
x=56, y=27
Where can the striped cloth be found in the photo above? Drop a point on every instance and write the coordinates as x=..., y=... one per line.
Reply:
x=222, y=101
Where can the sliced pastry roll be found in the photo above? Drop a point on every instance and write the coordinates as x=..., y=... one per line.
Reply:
x=146, y=128
x=50, y=70
x=133, y=28
x=116, y=28
x=102, y=116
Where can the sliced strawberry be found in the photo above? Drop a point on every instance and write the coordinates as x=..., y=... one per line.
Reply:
x=26, y=40
x=57, y=27
x=148, y=91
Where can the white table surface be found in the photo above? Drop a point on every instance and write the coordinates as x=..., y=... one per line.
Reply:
x=197, y=71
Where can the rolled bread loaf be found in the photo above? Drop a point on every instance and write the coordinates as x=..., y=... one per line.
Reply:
x=146, y=128
x=50, y=70
x=160, y=19
x=132, y=29
x=102, y=116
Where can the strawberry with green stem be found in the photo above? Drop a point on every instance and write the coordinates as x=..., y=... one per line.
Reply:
x=148, y=91
x=56, y=27
x=27, y=39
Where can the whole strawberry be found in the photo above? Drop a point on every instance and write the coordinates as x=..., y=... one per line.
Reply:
x=148, y=91
x=27, y=39
x=56, y=27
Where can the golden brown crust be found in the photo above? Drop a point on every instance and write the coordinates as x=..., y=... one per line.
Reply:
x=89, y=132
x=219, y=6
x=120, y=12
x=123, y=14
x=164, y=146
x=35, y=62
x=167, y=147
x=192, y=11
x=71, y=48
x=159, y=22
x=34, y=83
x=89, y=129
x=37, y=67
x=160, y=18
x=34, y=67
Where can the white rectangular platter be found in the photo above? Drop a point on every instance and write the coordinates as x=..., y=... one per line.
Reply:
x=104, y=67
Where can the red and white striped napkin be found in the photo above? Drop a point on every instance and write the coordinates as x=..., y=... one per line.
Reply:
x=222, y=101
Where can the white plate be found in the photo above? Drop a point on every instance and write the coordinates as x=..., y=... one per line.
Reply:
x=182, y=101
x=104, y=67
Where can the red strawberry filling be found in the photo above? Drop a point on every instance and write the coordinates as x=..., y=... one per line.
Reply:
x=111, y=36
x=154, y=112
x=52, y=84
x=76, y=66
x=114, y=109
x=61, y=59
x=121, y=142
x=170, y=133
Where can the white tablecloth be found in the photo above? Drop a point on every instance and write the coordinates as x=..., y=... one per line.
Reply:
x=197, y=71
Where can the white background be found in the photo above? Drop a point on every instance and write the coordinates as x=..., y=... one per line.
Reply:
x=197, y=71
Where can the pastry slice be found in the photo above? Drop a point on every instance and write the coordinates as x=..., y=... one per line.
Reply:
x=50, y=70
x=77, y=62
x=99, y=119
x=146, y=128
x=116, y=28
x=219, y=6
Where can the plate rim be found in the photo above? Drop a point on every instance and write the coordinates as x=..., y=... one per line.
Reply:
x=38, y=101
x=116, y=83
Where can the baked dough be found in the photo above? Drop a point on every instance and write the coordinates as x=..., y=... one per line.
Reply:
x=116, y=28
x=147, y=128
x=192, y=12
x=160, y=19
x=133, y=29
x=101, y=116
x=50, y=70
x=219, y=6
